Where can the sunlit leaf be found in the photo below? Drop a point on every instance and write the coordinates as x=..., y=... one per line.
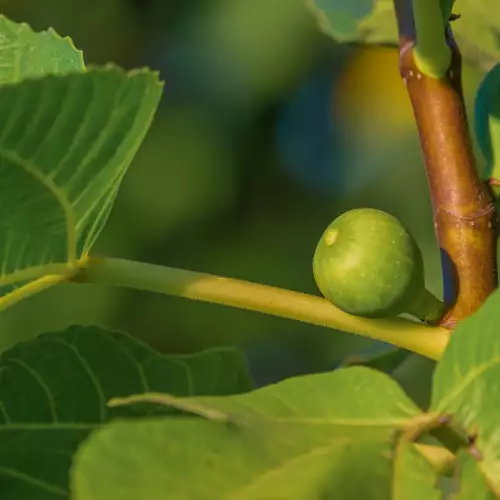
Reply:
x=414, y=477
x=470, y=480
x=26, y=54
x=65, y=145
x=467, y=383
x=305, y=438
x=67, y=136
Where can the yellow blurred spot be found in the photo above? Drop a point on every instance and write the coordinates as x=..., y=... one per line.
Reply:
x=371, y=88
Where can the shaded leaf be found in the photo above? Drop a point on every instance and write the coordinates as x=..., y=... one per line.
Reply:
x=447, y=8
x=53, y=392
x=467, y=383
x=65, y=145
x=305, y=438
x=27, y=54
x=341, y=18
x=487, y=125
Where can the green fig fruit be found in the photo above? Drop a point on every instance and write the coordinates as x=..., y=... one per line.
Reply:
x=367, y=264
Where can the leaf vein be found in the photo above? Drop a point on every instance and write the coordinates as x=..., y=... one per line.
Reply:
x=41, y=382
x=94, y=379
x=468, y=379
x=39, y=483
x=56, y=191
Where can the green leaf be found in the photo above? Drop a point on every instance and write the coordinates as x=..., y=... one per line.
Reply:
x=136, y=461
x=467, y=381
x=487, y=124
x=26, y=54
x=305, y=438
x=475, y=32
x=65, y=145
x=340, y=18
x=414, y=477
x=356, y=403
x=470, y=479
x=446, y=8
x=54, y=389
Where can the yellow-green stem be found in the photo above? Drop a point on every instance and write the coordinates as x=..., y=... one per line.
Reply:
x=432, y=54
x=421, y=339
x=32, y=288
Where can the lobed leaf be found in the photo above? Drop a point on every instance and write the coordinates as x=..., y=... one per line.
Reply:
x=54, y=389
x=467, y=383
x=65, y=145
x=305, y=438
x=67, y=137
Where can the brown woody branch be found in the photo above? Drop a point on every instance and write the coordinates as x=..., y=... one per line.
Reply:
x=464, y=215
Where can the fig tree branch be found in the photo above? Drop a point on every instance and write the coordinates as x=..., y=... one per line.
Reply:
x=428, y=341
x=464, y=215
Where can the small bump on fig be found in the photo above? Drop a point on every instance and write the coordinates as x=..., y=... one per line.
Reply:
x=330, y=237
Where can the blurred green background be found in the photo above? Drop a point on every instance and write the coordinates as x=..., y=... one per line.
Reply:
x=267, y=130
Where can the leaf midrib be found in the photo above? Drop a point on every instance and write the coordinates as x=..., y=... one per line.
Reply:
x=446, y=402
x=35, y=272
x=265, y=477
x=60, y=195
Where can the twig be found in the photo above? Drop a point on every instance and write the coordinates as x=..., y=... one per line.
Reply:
x=425, y=340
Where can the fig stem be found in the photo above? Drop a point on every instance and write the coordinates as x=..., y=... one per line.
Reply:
x=425, y=340
x=432, y=54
